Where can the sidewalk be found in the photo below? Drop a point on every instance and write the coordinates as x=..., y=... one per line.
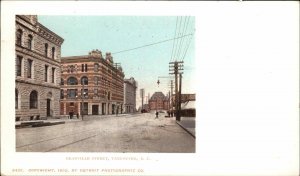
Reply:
x=188, y=124
x=62, y=120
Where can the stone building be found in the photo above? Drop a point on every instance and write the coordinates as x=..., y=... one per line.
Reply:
x=158, y=101
x=130, y=86
x=37, y=70
x=91, y=84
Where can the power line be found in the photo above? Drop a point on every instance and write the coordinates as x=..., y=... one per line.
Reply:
x=186, y=22
x=176, y=44
x=151, y=44
x=184, y=40
x=187, y=47
x=174, y=41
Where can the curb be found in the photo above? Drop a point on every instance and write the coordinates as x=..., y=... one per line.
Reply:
x=185, y=129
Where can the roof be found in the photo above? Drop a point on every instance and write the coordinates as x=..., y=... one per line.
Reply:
x=188, y=105
x=158, y=95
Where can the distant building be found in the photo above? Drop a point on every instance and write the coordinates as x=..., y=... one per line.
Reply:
x=37, y=69
x=158, y=101
x=91, y=84
x=130, y=86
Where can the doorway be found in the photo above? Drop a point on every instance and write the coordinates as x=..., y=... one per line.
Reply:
x=95, y=109
x=48, y=107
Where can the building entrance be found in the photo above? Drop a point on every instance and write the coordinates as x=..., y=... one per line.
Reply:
x=48, y=107
x=85, y=109
x=95, y=110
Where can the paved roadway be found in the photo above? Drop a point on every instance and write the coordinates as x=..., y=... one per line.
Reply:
x=126, y=133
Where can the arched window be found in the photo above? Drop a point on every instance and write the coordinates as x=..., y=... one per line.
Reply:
x=53, y=52
x=72, y=81
x=33, y=101
x=29, y=42
x=19, y=37
x=62, y=81
x=46, y=49
x=84, y=81
x=16, y=99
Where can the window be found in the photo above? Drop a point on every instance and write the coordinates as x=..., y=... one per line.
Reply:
x=16, y=99
x=19, y=37
x=53, y=52
x=72, y=93
x=85, y=93
x=19, y=66
x=84, y=80
x=46, y=49
x=82, y=67
x=72, y=104
x=72, y=81
x=29, y=42
x=96, y=80
x=46, y=73
x=85, y=67
x=108, y=96
x=96, y=67
x=96, y=92
x=33, y=101
x=62, y=94
x=53, y=75
x=62, y=81
x=29, y=69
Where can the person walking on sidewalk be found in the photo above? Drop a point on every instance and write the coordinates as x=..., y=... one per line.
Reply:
x=156, y=115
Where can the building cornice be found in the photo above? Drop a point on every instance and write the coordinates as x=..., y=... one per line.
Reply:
x=48, y=34
x=39, y=29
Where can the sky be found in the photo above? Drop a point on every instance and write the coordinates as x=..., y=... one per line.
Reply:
x=82, y=34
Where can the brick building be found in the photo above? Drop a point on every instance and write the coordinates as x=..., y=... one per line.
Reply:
x=37, y=71
x=92, y=81
x=130, y=86
x=158, y=101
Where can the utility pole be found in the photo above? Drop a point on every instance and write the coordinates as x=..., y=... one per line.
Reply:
x=177, y=68
x=169, y=103
x=142, y=91
x=171, y=95
x=179, y=104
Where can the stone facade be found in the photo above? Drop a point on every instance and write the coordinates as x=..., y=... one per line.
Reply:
x=37, y=72
x=91, y=84
x=158, y=101
x=130, y=86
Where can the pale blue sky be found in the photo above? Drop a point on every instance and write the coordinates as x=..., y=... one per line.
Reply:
x=116, y=33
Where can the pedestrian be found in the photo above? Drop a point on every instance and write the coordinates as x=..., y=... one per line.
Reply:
x=168, y=113
x=156, y=114
x=77, y=115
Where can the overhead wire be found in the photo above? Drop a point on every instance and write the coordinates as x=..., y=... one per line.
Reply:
x=185, y=40
x=149, y=44
x=174, y=40
x=181, y=40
